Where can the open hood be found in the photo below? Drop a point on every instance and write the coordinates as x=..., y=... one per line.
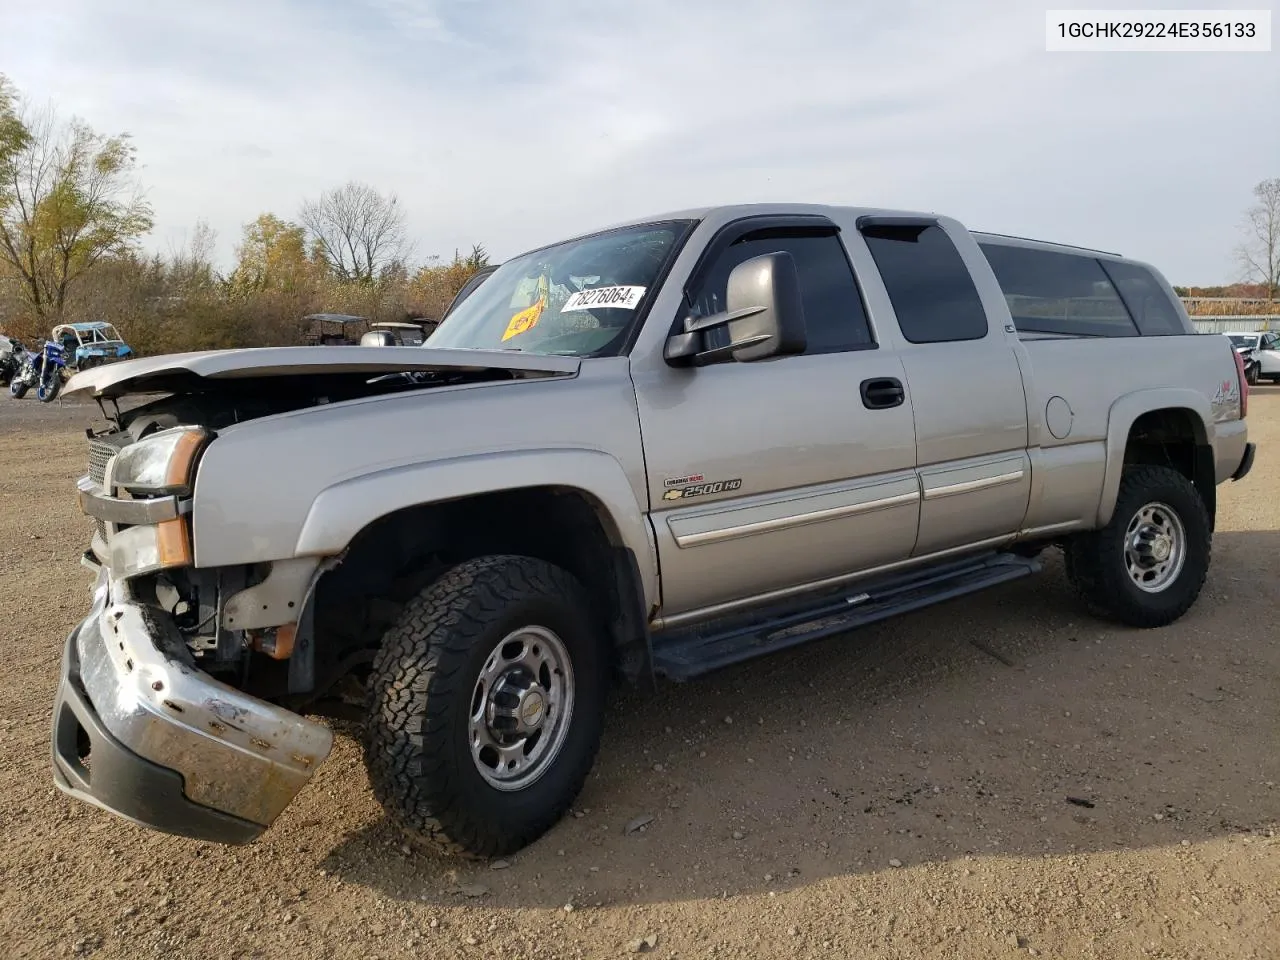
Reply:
x=194, y=372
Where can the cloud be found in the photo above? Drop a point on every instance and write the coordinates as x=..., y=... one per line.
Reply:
x=513, y=124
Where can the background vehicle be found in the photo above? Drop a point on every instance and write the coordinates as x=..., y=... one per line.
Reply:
x=655, y=450
x=49, y=368
x=1260, y=352
x=401, y=333
x=85, y=345
x=41, y=368
x=334, y=329
x=11, y=353
x=24, y=375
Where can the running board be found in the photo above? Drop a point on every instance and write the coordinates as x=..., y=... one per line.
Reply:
x=681, y=654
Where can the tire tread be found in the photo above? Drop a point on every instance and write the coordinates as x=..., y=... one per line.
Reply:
x=1090, y=557
x=417, y=674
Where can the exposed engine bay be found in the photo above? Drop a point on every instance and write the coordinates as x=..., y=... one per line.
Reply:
x=208, y=394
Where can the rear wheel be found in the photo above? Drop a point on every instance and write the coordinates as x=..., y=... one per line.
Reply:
x=485, y=706
x=1146, y=567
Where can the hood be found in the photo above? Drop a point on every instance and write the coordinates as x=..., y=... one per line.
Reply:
x=209, y=369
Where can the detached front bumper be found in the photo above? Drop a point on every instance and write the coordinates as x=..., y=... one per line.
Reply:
x=139, y=731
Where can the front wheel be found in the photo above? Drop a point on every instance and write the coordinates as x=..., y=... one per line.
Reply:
x=1251, y=374
x=1146, y=567
x=485, y=706
x=18, y=388
x=50, y=386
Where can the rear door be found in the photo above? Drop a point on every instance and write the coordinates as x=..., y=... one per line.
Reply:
x=969, y=406
x=775, y=475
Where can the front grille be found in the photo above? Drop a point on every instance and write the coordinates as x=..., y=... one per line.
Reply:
x=101, y=450
x=99, y=453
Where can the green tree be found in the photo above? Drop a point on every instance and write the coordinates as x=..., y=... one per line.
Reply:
x=67, y=201
x=272, y=256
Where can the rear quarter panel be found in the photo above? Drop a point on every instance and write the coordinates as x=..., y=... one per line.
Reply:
x=1083, y=395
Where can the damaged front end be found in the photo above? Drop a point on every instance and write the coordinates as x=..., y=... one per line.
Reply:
x=139, y=731
x=172, y=710
x=149, y=721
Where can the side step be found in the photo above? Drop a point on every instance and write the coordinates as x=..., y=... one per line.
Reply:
x=682, y=654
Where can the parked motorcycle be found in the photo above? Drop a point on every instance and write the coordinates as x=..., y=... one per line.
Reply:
x=41, y=369
x=11, y=353
x=24, y=376
x=52, y=363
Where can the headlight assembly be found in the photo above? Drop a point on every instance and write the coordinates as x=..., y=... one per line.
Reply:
x=163, y=463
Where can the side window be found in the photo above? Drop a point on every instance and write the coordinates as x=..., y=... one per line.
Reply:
x=929, y=286
x=1064, y=293
x=1153, y=309
x=835, y=319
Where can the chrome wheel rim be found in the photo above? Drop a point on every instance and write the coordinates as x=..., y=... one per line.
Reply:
x=1155, y=547
x=521, y=708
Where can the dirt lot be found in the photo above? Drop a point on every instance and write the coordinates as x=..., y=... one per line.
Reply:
x=894, y=793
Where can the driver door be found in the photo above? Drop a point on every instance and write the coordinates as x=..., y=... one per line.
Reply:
x=773, y=475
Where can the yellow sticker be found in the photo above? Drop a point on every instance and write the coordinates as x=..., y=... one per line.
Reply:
x=525, y=320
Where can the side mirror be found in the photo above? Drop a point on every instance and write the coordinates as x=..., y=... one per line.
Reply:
x=764, y=316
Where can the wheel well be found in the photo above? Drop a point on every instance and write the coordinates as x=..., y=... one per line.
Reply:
x=398, y=555
x=1175, y=437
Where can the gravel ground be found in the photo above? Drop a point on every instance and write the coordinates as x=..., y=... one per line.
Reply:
x=898, y=792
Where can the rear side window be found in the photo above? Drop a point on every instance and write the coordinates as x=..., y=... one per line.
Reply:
x=929, y=286
x=1058, y=293
x=834, y=317
x=1152, y=307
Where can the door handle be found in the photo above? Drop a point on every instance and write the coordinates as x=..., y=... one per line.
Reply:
x=881, y=393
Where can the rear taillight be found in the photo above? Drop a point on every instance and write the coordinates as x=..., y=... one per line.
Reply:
x=1244, y=384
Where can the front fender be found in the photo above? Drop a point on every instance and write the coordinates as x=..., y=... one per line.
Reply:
x=1120, y=419
x=341, y=511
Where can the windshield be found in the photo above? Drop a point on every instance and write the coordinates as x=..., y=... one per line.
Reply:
x=1243, y=341
x=578, y=298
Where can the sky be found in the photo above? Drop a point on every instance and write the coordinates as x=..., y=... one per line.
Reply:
x=514, y=123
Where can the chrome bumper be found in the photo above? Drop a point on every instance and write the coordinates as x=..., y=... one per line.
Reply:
x=94, y=502
x=140, y=732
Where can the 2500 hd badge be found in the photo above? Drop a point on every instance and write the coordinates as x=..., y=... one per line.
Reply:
x=703, y=489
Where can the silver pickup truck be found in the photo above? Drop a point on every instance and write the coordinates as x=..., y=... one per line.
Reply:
x=651, y=451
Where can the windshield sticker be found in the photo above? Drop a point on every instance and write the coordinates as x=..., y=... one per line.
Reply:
x=624, y=298
x=525, y=320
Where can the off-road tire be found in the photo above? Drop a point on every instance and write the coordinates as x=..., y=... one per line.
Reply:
x=48, y=392
x=1095, y=561
x=18, y=390
x=419, y=697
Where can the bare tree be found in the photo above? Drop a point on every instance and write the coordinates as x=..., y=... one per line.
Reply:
x=67, y=201
x=356, y=231
x=1259, y=254
x=191, y=264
